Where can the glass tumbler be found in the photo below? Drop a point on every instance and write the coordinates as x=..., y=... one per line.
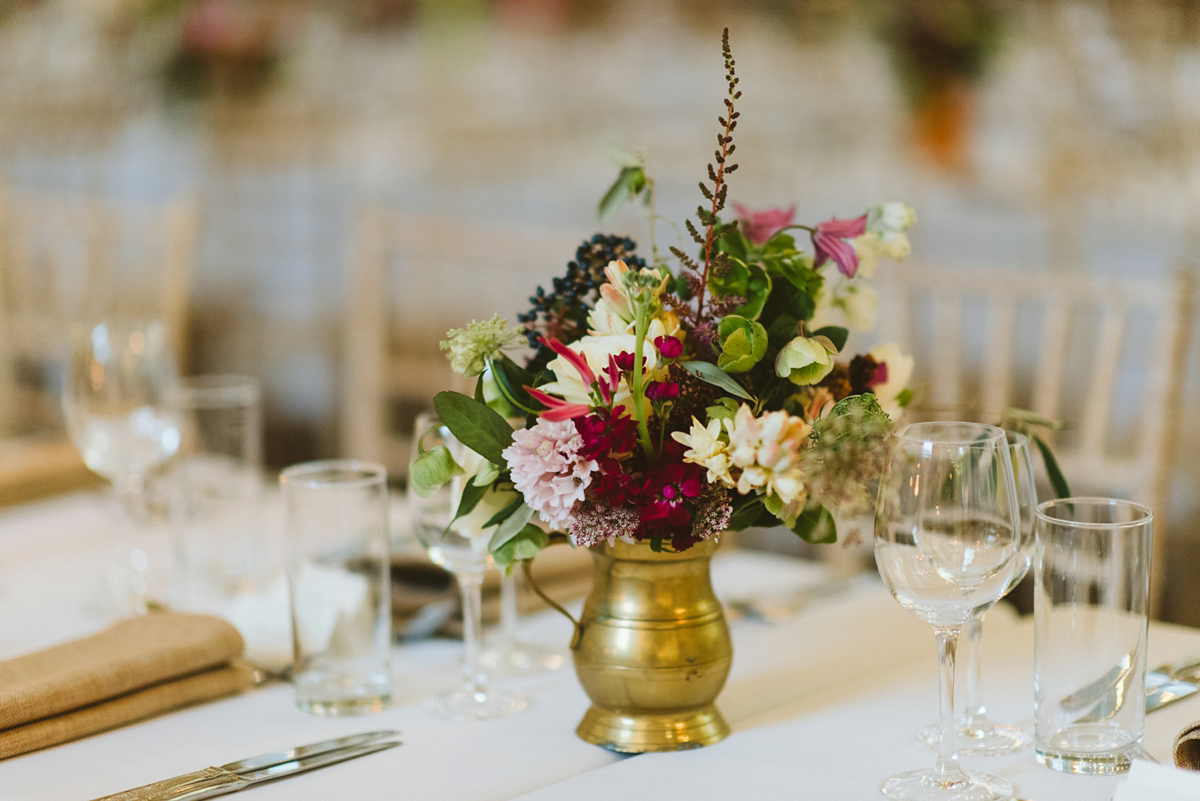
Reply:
x=338, y=576
x=215, y=488
x=1092, y=568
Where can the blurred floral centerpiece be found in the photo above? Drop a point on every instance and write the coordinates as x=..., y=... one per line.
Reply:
x=668, y=402
x=662, y=403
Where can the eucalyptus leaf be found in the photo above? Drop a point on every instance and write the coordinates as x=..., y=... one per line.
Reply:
x=714, y=375
x=527, y=543
x=474, y=424
x=431, y=469
x=510, y=527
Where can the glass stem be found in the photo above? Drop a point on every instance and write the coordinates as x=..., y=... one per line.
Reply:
x=946, y=772
x=474, y=681
x=131, y=495
x=975, y=720
x=509, y=615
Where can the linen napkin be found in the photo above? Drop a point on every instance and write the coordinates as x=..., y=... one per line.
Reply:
x=1150, y=782
x=1187, y=747
x=132, y=670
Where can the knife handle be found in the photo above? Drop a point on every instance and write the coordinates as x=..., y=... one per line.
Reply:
x=177, y=787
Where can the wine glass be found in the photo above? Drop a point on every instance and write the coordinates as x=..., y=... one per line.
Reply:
x=947, y=537
x=977, y=735
x=460, y=546
x=512, y=653
x=116, y=409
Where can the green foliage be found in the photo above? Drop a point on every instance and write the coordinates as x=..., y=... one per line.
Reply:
x=747, y=281
x=743, y=344
x=717, y=377
x=815, y=524
x=525, y=544
x=474, y=424
x=835, y=334
x=431, y=469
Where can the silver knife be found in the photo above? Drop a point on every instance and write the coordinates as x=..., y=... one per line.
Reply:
x=1162, y=688
x=239, y=775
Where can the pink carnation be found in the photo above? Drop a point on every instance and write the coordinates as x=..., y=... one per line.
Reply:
x=548, y=470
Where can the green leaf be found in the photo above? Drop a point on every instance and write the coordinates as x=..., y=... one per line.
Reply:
x=1053, y=471
x=470, y=499
x=431, y=469
x=904, y=398
x=815, y=524
x=526, y=544
x=512, y=379
x=630, y=181
x=714, y=375
x=745, y=280
x=835, y=333
x=511, y=526
x=744, y=515
x=488, y=473
x=504, y=513
x=474, y=424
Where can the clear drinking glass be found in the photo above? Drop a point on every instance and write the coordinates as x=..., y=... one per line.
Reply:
x=216, y=487
x=461, y=548
x=338, y=569
x=1092, y=570
x=512, y=653
x=115, y=404
x=977, y=735
x=947, y=536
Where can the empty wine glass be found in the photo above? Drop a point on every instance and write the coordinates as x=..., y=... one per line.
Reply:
x=460, y=546
x=115, y=404
x=977, y=735
x=947, y=536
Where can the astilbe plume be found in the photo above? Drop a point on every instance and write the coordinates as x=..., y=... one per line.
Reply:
x=561, y=314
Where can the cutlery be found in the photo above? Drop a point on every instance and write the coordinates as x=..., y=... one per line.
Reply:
x=235, y=776
x=781, y=608
x=1163, y=688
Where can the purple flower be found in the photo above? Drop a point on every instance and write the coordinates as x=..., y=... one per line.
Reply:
x=760, y=226
x=829, y=240
x=548, y=469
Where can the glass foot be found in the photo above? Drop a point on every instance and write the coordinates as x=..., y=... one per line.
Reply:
x=522, y=660
x=991, y=740
x=464, y=705
x=919, y=785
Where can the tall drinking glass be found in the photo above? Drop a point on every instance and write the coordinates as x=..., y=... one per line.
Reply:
x=977, y=734
x=460, y=546
x=216, y=488
x=1092, y=571
x=338, y=569
x=115, y=404
x=947, y=536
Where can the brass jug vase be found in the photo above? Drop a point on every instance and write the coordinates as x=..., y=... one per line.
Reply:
x=652, y=650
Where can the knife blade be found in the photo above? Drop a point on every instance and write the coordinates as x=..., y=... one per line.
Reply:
x=1162, y=689
x=235, y=782
x=217, y=776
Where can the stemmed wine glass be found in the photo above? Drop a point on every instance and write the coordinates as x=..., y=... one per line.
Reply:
x=452, y=546
x=947, y=538
x=977, y=735
x=512, y=653
x=115, y=403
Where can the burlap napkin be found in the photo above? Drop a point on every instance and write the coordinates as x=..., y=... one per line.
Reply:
x=135, y=669
x=1187, y=748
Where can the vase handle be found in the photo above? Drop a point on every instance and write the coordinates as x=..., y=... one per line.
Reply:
x=527, y=566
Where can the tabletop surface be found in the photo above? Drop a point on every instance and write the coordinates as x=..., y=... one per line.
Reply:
x=823, y=706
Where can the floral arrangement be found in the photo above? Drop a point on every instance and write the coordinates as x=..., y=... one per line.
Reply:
x=668, y=402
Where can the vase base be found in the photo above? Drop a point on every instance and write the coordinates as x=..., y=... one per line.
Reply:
x=629, y=733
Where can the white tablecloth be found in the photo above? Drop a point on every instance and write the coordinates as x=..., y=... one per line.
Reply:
x=824, y=706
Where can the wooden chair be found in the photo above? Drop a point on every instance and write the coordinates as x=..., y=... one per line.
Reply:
x=410, y=280
x=1105, y=356
x=62, y=257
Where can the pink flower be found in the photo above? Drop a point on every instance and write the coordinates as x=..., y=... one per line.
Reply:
x=669, y=347
x=760, y=226
x=558, y=409
x=548, y=469
x=829, y=240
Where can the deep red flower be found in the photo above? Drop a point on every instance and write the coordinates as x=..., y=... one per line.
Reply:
x=829, y=241
x=662, y=390
x=669, y=347
x=606, y=432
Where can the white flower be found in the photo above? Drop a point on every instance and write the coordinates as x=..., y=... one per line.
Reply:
x=767, y=450
x=707, y=449
x=899, y=372
x=885, y=236
x=595, y=350
x=897, y=216
x=861, y=306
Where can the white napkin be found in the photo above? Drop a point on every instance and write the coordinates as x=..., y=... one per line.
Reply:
x=1150, y=782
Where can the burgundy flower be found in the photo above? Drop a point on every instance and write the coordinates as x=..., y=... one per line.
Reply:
x=662, y=390
x=760, y=226
x=606, y=432
x=829, y=240
x=669, y=347
x=668, y=488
